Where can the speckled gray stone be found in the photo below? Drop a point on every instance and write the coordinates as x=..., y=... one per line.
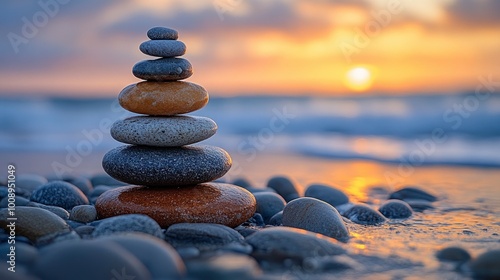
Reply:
x=162, y=33
x=396, y=209
x=364, y=215
x=163, y=167
x=83, y=213
x=163, y=69
x=128, y=223
x=280, y=243
x=163, y=48
x=328, y=194
x=315, y=215
x=174, y=131
x=59, y=193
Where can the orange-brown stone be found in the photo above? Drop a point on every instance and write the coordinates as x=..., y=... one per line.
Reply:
x=203, y=203
x=163, y=98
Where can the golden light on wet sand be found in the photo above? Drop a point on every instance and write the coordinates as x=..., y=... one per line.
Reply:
x=359, y=78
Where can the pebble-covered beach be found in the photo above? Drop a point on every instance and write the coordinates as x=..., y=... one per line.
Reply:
x=321, y=232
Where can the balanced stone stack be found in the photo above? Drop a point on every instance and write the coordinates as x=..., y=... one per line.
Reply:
x=171, y=177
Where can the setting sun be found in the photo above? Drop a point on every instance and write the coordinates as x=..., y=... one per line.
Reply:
x=359, y=79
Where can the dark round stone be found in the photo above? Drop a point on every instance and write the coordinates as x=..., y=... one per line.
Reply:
x=396, y=209
x=412, y=193
x=162, y=33
x=328, y=194
x=163, y=167
x=159, y=257
x=268, y=204
x=315, y=215
x=364, y=215
x=487, y=265
x=59, y=193
x=82, y=183
x=453, y=254
x=204, y=236
x=276, y=244
x=284, y=187
x=163, y=69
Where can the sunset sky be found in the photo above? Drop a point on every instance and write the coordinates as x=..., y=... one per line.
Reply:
x=88, y=48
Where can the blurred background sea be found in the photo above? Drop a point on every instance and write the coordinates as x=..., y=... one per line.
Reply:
x=387, y=129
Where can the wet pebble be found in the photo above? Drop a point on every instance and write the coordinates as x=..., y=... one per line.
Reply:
x=276, y=244
x=284, y=187
x=412, y=193
x=396, y=209
x=364, y=215
x=268, y=204
x=205, y=237
x=453, y=254
x=328, y=194
x=128, y=223
x=34, y=223
x=315, y=215
x=83, y=213
x=487, y=265
x=162, y=261
x=59, y=193
x=89, y=260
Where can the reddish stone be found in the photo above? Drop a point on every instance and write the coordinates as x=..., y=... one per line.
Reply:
x=203, y=203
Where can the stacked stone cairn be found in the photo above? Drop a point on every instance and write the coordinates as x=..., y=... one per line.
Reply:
x=171, y=177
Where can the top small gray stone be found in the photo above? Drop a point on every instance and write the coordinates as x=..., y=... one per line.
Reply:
x=162, y=33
